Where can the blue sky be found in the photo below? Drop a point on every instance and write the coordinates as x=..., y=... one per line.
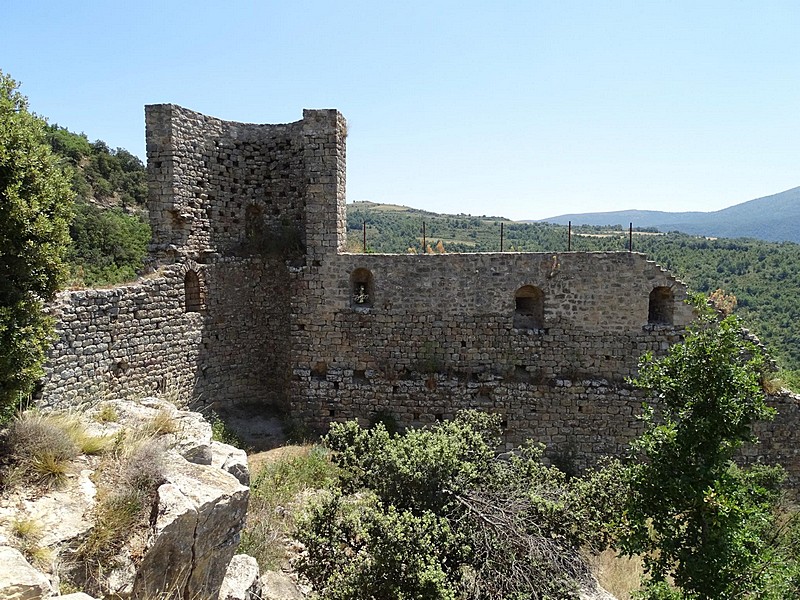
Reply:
x=520, y=109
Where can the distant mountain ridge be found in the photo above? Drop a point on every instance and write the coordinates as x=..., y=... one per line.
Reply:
x=773, y=218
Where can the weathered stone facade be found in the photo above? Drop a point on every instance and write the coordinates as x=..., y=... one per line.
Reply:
x=254, y=301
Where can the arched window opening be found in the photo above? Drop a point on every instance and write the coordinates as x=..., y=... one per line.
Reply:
x=361, y=288
x=529, y=308
x=193, y=295
x=661, y=306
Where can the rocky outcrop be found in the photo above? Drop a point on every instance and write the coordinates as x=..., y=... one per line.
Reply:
x=242, y=580
x=231, y=459
x=200, y=512
x=280, y=586
x=18, y=579
x=592, y=590
x=197, y=514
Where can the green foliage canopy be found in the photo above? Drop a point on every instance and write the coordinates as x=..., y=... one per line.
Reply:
x=108, y=245
x=35, y=204
x=695, y=515
x=99, y=172
x=109, y=234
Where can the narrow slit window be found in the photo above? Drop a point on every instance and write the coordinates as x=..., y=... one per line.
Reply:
x=193, y=295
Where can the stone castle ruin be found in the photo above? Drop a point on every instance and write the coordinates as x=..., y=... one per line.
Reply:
x=253, y=301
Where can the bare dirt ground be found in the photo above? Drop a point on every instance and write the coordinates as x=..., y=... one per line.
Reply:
x=258, y=427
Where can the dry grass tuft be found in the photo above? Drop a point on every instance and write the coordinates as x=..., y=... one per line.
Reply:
x=41, y=449
x=115, y=515
x=162, y=423
x=125, y=498
x=620, y=575
x=143, y=467
x=27, y=535
x=107, y=414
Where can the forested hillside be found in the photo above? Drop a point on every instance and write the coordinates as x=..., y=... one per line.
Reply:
x=771, y=218
x=763, y=276
x=109, y=231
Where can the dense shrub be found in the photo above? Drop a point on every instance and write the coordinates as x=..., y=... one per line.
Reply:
x=274, y=490
x=436, y=513
x=109, y=234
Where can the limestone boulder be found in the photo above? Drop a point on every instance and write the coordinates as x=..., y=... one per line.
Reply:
x=200, y=514
x=64, y=514
x=194, y=529
x=231, y=459
x=242, y=579
x=189, y=433
x=193, y=437
x=592, y=590
x=18, y=579
x=279, y=586
x=59, y=516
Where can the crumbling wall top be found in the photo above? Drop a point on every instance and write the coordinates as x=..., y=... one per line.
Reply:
x=222, y=188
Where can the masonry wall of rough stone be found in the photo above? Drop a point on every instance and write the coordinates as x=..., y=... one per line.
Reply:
x=219, y=188
x=438, y=334
x=780, y=439
x=138, y=339
x=212, y=181
x=126, y=341
x=240, y=206
x=243, y=357
x=280, y=316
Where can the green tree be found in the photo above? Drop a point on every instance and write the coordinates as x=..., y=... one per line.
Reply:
x=108, y=245
x=35, y=204
x=698, y=518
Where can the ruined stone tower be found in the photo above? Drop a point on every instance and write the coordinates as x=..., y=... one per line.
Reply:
x=253, y=301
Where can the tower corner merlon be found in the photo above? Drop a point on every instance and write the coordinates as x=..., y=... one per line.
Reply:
x=324, y=138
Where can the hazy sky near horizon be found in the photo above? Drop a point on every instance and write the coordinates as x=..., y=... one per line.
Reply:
x=523, y=109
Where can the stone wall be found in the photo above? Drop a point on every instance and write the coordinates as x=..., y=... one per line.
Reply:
x=235, y=209
x=139, y=339
x=779, y=440
x=219, y=188
x=125, y=341
x=244, y=357
x=253, y=301
x=442, y=332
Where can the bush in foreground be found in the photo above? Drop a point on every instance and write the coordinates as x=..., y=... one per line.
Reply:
x=436, y=513
x=701, y=521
